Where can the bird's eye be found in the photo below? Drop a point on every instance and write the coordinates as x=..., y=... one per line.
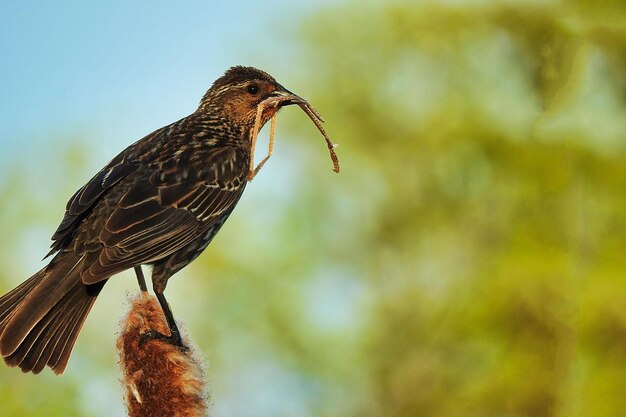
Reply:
x=253, y=89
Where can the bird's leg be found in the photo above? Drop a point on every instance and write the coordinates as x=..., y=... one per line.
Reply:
x=140, y=279
x=174, y=337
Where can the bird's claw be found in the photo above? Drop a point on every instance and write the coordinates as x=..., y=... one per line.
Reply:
x=174, y=339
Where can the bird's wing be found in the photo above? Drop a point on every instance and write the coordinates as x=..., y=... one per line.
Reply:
x=83, y=201
x=85, y=198
x=160, y=216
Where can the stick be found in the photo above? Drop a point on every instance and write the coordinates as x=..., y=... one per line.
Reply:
x=253, y=136
x=271, y=146
x=316, y=118
x=313, y=114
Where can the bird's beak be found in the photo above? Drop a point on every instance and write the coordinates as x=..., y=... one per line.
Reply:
x=284, y=97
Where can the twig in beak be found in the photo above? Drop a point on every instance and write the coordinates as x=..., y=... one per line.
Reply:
x=253, y=136
x=271, y=147
x=316, y=118
x=313, y=114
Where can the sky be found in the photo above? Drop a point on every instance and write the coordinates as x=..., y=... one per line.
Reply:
x=111, y=72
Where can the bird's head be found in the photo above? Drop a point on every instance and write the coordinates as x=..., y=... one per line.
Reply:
x=237, y=95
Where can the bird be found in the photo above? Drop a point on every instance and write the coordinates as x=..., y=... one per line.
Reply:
x=158, y=203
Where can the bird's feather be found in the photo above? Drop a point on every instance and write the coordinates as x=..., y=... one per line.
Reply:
x=152, y=221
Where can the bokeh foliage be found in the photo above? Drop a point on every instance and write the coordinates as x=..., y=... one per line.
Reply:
x=468, y=261
x=494, y=134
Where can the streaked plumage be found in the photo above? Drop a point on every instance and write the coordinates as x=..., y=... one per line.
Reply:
x=159, y=202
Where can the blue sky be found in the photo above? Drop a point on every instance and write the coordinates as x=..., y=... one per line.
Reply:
x=111, y=72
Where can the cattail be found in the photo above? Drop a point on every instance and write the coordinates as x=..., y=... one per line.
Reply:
x=159, y=379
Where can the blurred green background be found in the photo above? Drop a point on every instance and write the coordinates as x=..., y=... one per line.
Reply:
x=469, y=260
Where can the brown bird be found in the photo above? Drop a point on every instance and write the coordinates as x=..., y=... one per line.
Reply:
x=159, y=202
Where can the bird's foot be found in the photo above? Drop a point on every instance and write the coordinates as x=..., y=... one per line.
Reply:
x=174, y=339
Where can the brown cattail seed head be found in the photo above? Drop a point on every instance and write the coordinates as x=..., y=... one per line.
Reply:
x=159, y=378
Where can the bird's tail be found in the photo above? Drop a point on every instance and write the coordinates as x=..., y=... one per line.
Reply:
x=40, y=319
